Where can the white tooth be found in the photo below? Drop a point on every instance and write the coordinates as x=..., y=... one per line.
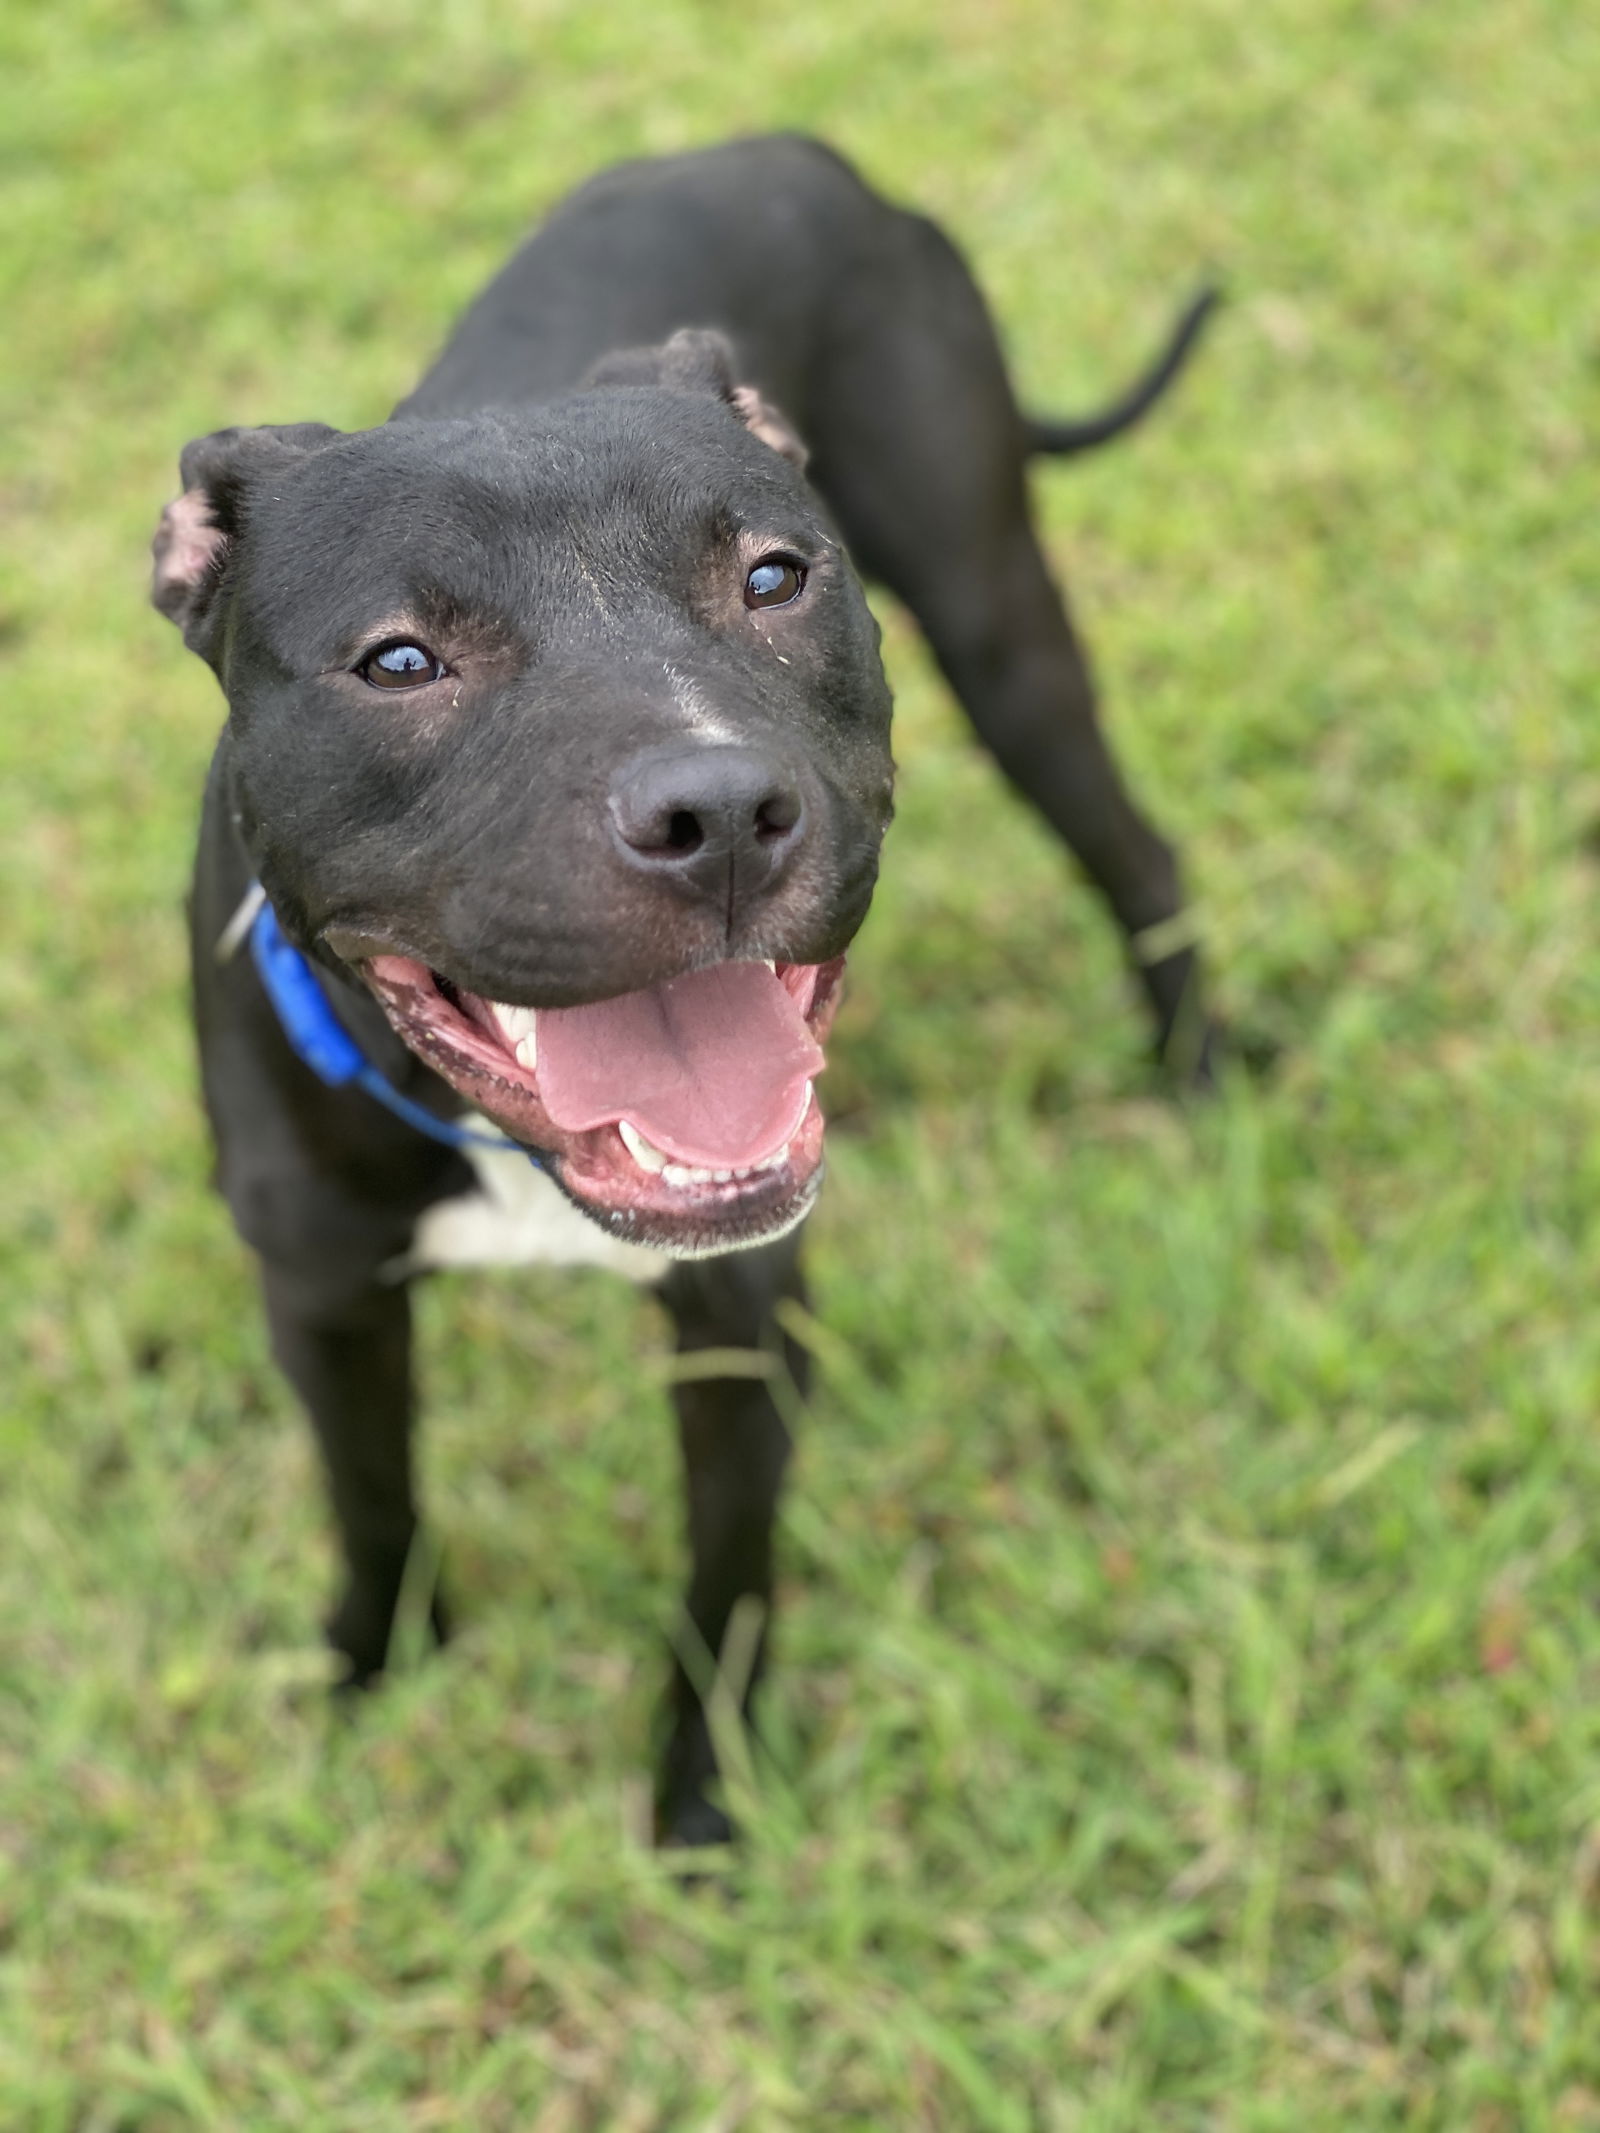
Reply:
x=770, y=965
x=644, y=1153
x=528, y=1052
x=687, y=1174
x=517, y=1026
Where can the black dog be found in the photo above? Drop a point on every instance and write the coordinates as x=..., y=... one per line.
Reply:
x=558, y=741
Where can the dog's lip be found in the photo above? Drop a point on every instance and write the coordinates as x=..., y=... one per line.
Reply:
x=356, y=943
x=362, y=947
x=687, y=1210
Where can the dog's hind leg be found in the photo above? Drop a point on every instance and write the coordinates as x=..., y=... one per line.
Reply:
x=920, y=449
x=347, y=1353
x=735, y=1444
x=1008, y=650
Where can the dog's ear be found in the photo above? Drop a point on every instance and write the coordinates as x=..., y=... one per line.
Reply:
x=699, y=360
x=195, y=533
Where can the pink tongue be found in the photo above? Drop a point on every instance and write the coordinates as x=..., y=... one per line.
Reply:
x=715, y=1068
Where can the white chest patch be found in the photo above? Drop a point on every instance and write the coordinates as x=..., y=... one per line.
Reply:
x=517, y=1217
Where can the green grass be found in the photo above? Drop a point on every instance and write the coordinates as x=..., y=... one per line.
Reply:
x=1188, y=1712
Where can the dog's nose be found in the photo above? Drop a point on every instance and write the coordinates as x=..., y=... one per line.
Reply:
x=722, y=822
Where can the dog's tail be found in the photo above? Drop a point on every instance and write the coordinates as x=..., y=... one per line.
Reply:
x=1061, y=438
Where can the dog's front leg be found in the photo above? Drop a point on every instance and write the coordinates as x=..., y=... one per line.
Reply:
x=735, y=1446
x=348, y=1356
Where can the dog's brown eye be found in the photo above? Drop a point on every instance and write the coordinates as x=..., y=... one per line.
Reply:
x=775, y=581
x=400, y=666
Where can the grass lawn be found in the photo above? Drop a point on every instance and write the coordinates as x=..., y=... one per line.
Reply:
x=1188, y=1710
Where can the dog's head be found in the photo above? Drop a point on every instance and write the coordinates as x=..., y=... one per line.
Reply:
x=564, y=729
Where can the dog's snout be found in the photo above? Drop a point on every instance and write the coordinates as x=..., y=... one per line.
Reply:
x=719, y=821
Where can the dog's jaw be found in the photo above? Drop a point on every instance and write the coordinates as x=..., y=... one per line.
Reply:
x=638, y=1192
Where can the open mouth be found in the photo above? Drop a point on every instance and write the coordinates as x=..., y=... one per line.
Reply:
x=681, y=1117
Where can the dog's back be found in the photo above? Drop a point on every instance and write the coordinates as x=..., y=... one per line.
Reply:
x=762, y=239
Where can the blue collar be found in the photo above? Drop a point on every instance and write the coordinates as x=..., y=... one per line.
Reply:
x=320, y=1040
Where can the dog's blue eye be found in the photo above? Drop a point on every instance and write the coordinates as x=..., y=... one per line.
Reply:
x=400, y=666
x=774, y=582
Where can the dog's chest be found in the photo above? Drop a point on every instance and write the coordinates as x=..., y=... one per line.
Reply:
x=517, y=1217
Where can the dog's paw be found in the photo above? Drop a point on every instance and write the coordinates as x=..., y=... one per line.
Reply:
x=692, y=1823
x=361, y=1630
x=1226, y=1047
